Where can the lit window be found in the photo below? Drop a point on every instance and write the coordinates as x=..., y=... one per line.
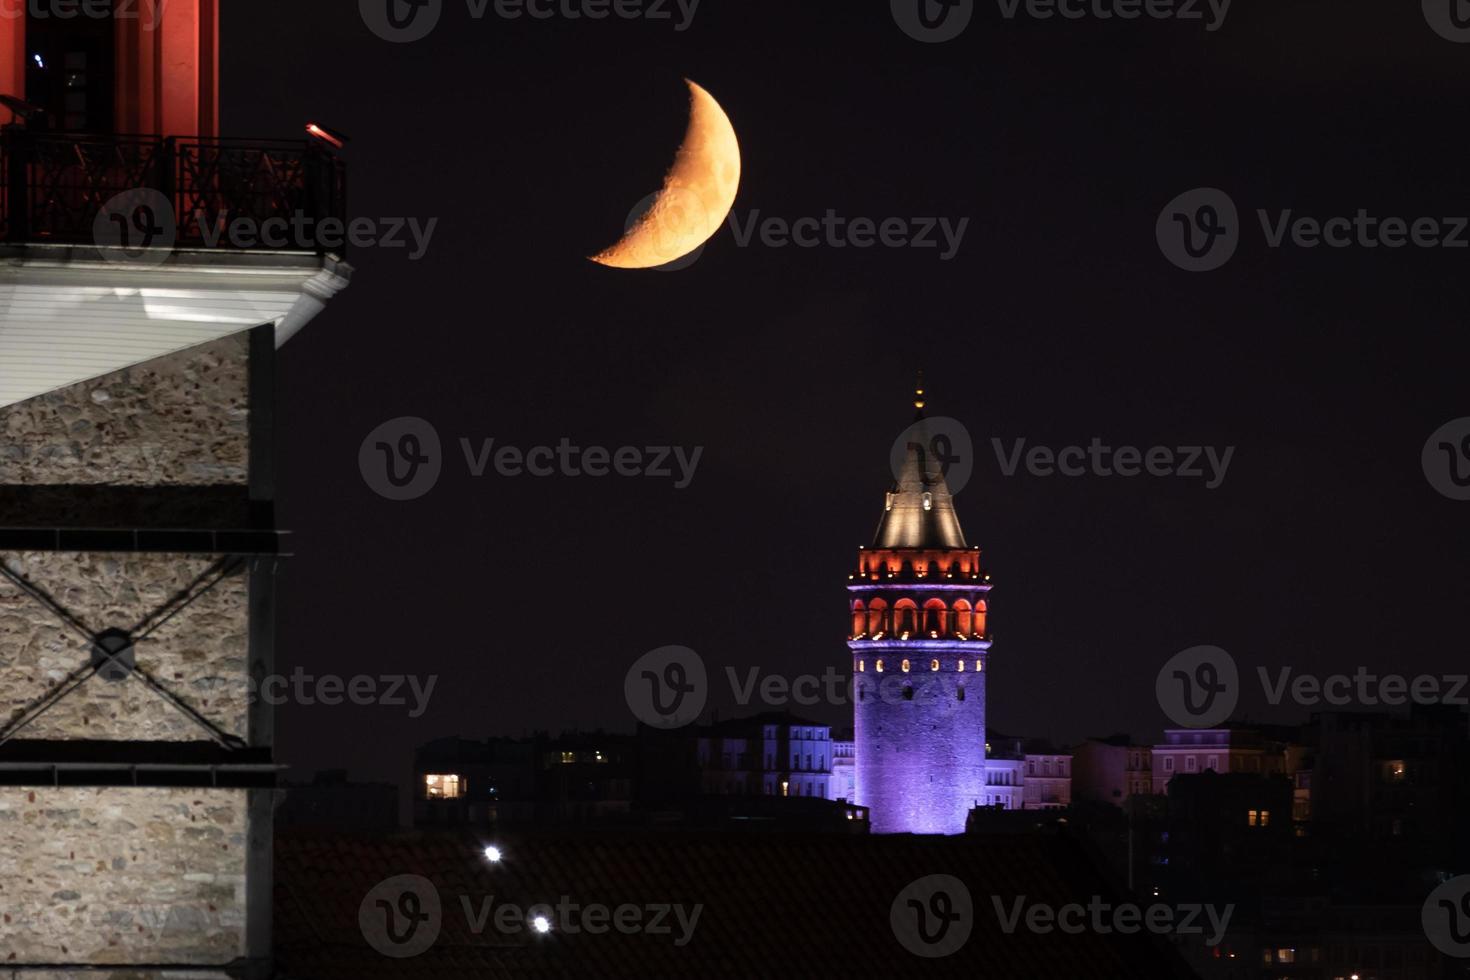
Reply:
x=934, y=665
x=960, y=666
x=1265, y=818
x=568, y=757
x=878, y=666
x=1252, y=818
x=928, y=501
x=442, y=787
x=904, y=666
x=860, y=666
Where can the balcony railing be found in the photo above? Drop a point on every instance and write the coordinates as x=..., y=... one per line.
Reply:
x=235, y=194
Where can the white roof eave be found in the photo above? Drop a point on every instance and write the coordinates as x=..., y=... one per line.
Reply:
x=68, y=315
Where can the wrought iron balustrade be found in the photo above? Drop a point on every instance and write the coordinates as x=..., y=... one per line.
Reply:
x=232, y=194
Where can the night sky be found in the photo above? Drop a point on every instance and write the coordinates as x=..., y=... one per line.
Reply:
x=1059, y=320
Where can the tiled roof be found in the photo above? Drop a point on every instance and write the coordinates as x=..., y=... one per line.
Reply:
x=773, y=905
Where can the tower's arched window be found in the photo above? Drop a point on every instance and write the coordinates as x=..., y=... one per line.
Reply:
x=934, y=665
x=878, y=666
x=979, y=618
x=906, y=615
x=960, y=666
x=904, y=666
x=963, y=617
x=908, y=692
x=877, y=618
x=959, y=694
x=936, y=618
x=859, y=618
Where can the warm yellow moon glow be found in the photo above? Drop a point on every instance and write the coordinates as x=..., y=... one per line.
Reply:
x=697, y=194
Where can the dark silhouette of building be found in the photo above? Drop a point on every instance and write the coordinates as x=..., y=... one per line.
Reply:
x=331, y=801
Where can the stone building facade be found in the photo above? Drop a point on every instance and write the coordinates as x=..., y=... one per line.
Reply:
x=138, y=545
x=135, y=803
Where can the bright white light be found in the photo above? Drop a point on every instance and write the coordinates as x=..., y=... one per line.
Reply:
x=492, y=854
x=541, y=924
x=40, y=62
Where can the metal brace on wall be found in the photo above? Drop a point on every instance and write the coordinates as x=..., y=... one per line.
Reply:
x=111, y=651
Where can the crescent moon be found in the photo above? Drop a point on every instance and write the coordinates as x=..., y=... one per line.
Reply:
x=696, y=197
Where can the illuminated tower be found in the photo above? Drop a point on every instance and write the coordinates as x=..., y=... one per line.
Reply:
x=919, y=651
x=138, y=545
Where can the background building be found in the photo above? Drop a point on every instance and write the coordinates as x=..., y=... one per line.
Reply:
x=329, y=800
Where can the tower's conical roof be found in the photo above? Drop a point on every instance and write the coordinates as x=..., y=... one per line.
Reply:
x=919, y=510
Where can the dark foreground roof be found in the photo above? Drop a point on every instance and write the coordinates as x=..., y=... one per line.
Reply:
x=773, y=906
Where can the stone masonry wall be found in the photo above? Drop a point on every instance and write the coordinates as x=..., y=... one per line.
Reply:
x=200, y=655
x=121, y=874
x=180, y=420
